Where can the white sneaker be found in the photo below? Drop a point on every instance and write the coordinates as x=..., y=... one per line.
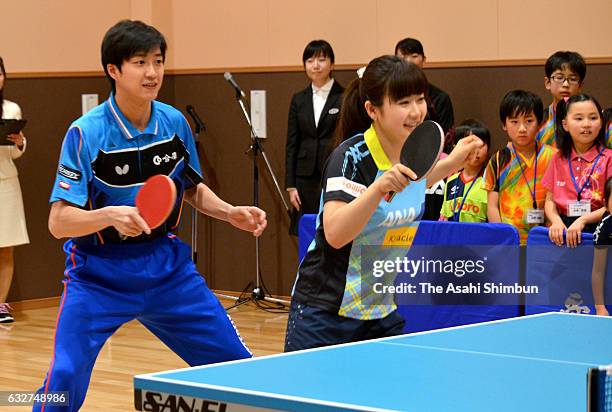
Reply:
x=5, y=314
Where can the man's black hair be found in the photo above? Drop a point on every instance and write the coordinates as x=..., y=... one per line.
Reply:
x=126, y=39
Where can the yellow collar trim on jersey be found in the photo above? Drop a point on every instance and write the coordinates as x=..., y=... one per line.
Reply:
x=378, y=154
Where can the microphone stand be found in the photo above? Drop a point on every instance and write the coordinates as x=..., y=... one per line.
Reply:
x=194, y=212
x=259, y=291
x=199, y=127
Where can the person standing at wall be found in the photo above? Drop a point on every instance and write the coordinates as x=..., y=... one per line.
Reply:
x=312, y=120
x=13, y=231
x=565, y=72
x=439, y=104
x=439, y=109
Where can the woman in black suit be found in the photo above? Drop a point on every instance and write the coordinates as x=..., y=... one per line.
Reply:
x=312, y=121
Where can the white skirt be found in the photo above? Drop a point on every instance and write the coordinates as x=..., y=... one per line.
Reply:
x=13, y=231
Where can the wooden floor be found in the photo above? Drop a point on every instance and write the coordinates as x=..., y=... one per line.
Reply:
x=26, y=345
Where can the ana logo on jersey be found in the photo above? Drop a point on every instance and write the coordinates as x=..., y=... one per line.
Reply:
x=122, y=170
x=157, y=159
x=399, y=217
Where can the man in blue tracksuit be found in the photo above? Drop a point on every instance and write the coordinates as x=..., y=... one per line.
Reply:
x=117, y=268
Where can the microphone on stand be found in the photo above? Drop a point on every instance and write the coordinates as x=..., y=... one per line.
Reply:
x=230, y=79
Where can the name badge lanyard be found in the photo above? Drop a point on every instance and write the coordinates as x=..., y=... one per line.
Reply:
x=457, y=212
x=588, y=179
x=535, y=174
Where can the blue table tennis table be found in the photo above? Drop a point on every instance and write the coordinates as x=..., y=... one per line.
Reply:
x=532, y=363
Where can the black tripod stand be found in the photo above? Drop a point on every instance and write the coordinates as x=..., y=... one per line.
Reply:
x=257, y=292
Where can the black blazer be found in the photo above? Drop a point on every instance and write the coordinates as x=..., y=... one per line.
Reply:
x=440, y=107
x=308, y=146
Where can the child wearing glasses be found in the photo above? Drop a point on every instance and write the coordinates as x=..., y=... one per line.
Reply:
x=565, y=73
x=577, y=176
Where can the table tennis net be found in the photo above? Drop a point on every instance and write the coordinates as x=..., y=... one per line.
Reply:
x=600, y=389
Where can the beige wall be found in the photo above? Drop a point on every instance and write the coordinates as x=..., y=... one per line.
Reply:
x=56, y=35
x=64, y=35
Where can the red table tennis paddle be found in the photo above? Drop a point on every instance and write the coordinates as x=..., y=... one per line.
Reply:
x=421, y=150
x=155, y=200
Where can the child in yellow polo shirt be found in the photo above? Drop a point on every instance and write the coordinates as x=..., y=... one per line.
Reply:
x=464, y=198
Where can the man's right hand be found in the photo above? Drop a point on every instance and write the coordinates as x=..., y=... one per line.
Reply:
x=127, y=220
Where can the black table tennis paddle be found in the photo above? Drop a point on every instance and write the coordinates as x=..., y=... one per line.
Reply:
x=421, y=150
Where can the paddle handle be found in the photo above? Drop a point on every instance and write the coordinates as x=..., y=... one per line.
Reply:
x=389, y=196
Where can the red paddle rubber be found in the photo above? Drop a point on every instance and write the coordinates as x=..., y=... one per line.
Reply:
x=156, y=199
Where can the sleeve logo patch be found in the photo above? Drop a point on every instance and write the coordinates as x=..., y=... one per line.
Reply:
x=69, y=173
x=64, y=185
x=344, y=185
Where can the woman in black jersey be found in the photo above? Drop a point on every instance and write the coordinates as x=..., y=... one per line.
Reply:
x=331, y=303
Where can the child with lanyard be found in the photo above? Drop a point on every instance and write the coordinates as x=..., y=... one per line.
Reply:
x=564, y=76
x=513, y=175
x=577, y=175
x=464, y=198
x=331, y=303
x=607, y=116
x=602, y=239
x=117, y=268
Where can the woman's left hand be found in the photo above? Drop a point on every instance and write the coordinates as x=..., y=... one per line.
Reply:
x=17, y=138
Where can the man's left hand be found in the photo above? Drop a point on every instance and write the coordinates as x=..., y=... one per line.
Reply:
x=248, y=218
